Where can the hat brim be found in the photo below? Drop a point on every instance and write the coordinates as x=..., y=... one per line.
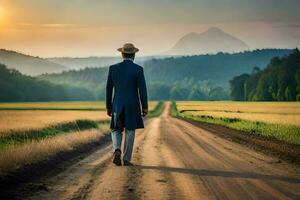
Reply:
x=128, y=52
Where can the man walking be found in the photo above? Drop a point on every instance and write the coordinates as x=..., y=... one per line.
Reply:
x=126, y=102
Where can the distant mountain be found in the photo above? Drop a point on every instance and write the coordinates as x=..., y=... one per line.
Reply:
x=29, y=65
x=80, y=63
x=213, y=40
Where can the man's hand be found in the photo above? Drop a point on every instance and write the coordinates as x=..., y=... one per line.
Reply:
x=108, y=112
x=144, y=112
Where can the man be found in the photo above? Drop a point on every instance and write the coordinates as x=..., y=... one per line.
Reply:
x=124, y=106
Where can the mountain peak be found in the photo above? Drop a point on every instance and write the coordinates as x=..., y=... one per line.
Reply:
x=213, y=40
x=214, y=30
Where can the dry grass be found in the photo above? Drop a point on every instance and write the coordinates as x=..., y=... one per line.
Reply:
x=64, y=105
x=61, y=105
x=152, y=105
x=12, y=120
x=266, y=117
x=35, y=151
x=282, y=126
x=270, y=112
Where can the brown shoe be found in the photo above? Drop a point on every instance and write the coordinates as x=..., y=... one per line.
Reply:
x=117, y=157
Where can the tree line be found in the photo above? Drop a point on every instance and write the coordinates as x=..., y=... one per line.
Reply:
x=279, y=81
x=16, y=87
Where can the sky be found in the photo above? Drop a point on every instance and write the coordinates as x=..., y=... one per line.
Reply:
x=80, y=28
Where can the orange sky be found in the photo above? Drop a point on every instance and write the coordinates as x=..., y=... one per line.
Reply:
x=97, y=27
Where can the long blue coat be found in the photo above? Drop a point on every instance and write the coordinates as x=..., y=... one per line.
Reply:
x=126, y=93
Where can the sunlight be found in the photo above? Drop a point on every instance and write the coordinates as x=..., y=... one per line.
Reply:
x=2, y=14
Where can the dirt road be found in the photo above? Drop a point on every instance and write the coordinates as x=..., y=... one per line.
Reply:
x=177, y=160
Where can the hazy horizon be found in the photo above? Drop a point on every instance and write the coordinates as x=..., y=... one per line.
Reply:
x=80, y=28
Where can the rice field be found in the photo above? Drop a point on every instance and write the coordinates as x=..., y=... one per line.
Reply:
x=61, y=105
x=31, y=132
x=269, y=112
x=23, y=118
x=65, y=105
x=279, y=120
x=11, y=120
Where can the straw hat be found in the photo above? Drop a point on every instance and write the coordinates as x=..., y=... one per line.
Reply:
x=128, y=48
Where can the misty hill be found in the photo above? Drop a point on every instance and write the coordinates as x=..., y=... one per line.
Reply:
x=28, y=65
x=213, y=40
x=187, y=77
x=80, y=63
x=16, y=87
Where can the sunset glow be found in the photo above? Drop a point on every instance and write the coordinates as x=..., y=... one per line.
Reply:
x=97, y=28
x=2, y=14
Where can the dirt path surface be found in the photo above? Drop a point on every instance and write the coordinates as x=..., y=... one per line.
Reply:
x=177, y=160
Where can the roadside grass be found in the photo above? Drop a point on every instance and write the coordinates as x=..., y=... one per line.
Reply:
x=157, y=110
x=20, y=120
x=37, y=150
x=14, y=138
x=283, y=132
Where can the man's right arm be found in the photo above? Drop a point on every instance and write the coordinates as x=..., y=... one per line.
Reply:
x=109, y=92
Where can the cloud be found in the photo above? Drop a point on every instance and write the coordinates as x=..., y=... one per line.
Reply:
x=124, y=12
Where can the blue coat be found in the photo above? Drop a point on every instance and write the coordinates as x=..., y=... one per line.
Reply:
x=126, y=93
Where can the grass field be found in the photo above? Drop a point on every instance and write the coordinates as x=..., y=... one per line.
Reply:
x=61, y=105
x=36, y=150
x=20, y=117
x=13, y=120
x=23, y=125
x=270, y=112
x=65, y=105
x=30, y=132
x=280, y=120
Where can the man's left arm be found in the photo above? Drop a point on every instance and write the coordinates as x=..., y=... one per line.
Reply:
x=143, y=92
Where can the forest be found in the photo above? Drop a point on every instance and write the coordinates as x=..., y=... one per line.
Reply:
x=200, y=77
x=16, y=87
x=279, y=81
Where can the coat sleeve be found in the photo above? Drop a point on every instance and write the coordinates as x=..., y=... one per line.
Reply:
x=109, y=90
x=142, y=89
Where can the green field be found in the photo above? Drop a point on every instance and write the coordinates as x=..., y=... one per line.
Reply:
x=280, y=120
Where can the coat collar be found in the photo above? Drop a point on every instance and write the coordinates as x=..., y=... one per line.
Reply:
x=128, y=59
